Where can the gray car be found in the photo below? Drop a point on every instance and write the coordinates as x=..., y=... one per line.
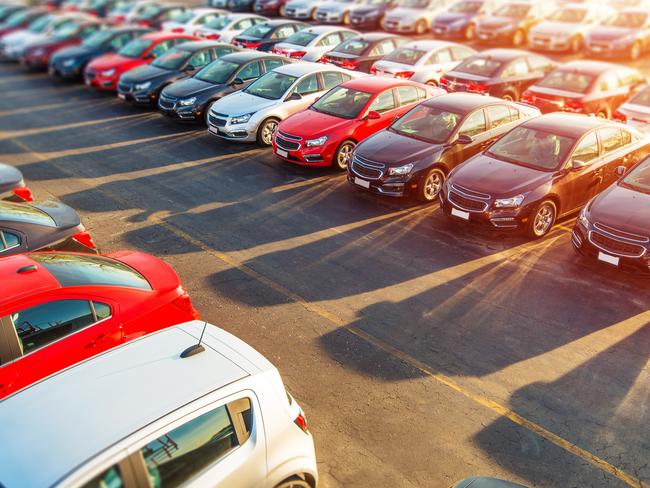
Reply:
x=47, y=225
x=302, y=9
x=414, y=16
x=337, y=12
x=12, y=185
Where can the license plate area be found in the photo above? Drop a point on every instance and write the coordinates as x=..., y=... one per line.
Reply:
x=607, y=258
x=282, y=153
x=460, y=214
x=362, y=183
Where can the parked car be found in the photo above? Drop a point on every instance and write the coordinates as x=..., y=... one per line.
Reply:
x=144, y=84
x=310, y=44
x=227, y=27
x=191, y=99
x=12, y=185
x=104, y=72
x=360, y=53
x=414, y=155
x=221, y=418
x=504, y=73
x=7, y=11
x=71, y=62
x=414, y=16
x=626, y=34
x=614, y=227
x=588, y=87
x=190, y=20
x=459, y=20
x=270, y=7
x=60, y=308
x=253, y=114
x=636, y=111
x=335, y=12
x=511, y=21
x=265, y=36
x=369, y=14
x=302, y=9
x=21, y=19
x=125, y=12
x=154, y=15
x=546, y=168
x=422, y=61
x=328, y=131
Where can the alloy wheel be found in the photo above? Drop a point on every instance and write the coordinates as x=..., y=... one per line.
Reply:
x=344, y=154
x=433, y=185
x=267, y=131
x=543, y=219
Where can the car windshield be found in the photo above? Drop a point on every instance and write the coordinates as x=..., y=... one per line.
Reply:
x=352, y=46
x=571, y=15
x=135, y=48
x=172, y=59
x=301, y=38
x=405, y=55
x=630, y=20
x=466, y=7
x=185, y=16
x=217, y=72
x=257, y=31
x=97, y=39
x=429, y=124
x=568, y=81
x=149, y=11
x=40, y=24
x=513, y=11
x=479, y=66
x=20, y=212
x=18, y=18
x=87, y=269
x=272, y=85
x=66, y=31
x=414, y=3
x=342, y=102
x=218, y=23
x=642, y=98
x=534, y=148
x=639, y=177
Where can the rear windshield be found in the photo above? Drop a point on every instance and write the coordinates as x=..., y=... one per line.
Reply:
x=353, y=46
x=301, y=38
x=173, y=59
x=86, y=269
x=98, y=38
x=567, y=80
x=40, y=23
x=20, y=212
x=631, y=20
x=479, y=66
x=405, y=55
x=66, y=31
x=257, y=31
x=217, y=72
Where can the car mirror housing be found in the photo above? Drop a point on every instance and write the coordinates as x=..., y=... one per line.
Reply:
x=576, y=164
x=620, y=170
x=237, y=81
x=372, y=115
x=464, y=139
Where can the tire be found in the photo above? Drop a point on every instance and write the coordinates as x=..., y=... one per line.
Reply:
x=519, y=38
x=432, y=83
x=575, y=45
x=342, y=155
x=430, y=185
x=208, y=107
x=420, y=27
x=266, y=130
x=541, y=220
x=470, y=32
x=346, y=18
x=635, y=51
x=603, y=114
x=294, y=482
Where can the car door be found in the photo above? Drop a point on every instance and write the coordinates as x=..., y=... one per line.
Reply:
x=12, y=241
x=617, y=151
x=385, y=104
x=576, y=184
x=475, y=126
x=439, y=62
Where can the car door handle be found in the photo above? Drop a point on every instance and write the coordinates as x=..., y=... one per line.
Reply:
x=99, y=338
x=395, y=118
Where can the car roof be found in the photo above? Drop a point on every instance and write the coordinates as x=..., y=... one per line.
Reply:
x=247, y=55
x=303, y=68
x=503, y=54
x=567, y=124
x=161, y=36
x=197, y=45
x=237, y=16
x=377, y=36
x=277, y=22
x=461, y=102
x=103, y=400
x=16, y=285
x=588, y=66
x=322, y=29
x=375, y=84
x=428, y=44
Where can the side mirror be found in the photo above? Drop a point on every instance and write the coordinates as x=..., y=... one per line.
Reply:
x=576, y=164
x=372, y=115
x=294, y=96
x=464, y=139
x=620, y=170
x=237, y=81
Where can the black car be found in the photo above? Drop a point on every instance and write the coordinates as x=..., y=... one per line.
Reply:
x=360, y=53
x=458, y=22
x=191, y=99
x=48, y=225
x=240, y=5
x=264, y=36
x=70, y=62
x=414, y=155
x=143, y=84
x=155, y=14
x=370, y=14
x=12, y=185
x=504, y=73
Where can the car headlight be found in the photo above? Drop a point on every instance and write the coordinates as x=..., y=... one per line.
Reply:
x=511, y=202
x=146, y=86
x=319, y=141
x=400, y=170
x=108, y=72
x=582, y=218
x=69, y=62
x=186, y=102
x=241, y=119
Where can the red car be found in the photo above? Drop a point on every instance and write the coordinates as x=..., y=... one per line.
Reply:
x=327, y=132
x=58, y=309
x=104, y=71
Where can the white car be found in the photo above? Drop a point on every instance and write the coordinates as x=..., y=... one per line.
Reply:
x=253, y=114
x=422, y=61
x=191, y=20
x=636, y=111
x=227, y=27
x=302, y=9
x=310, y=44
x=158, y=411
x=414, y=16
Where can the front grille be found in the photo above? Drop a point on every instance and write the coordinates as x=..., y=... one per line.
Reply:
x=471, y=193
x=616, y=233
x=366, y=168
x=440, y=28
x=467, y=199
x=599, y=44
x=124, y=88
x=166, y=102
x=615, y=246
x=287, y=142
x=216, y=121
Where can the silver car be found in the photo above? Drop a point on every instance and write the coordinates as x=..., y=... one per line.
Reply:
x=253, y=114
x=337, y=12
x=567, y=27
x=302, y=9
x=636, y=111
x=414, y=16
x=226, y=27
x=422, y=61
x=310, y=44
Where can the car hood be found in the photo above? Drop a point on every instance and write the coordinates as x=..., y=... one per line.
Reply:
x=63, y=215
x=366, y=10
x=311, y=124
x=10, y=177
x=492, y=22
x=146, y=73
x=395, y=149
x=622, y=208
x=452, y=17
x=240, y=103
x=603, y=33
x=188, y=87
x=109, y=61
x=485, y=174
x=22, y=38
x=550, y=28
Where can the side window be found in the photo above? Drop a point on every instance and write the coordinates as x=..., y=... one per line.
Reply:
x=200, y=59
x=121, y=40
x=461, y=52
x=515, y=114
x=206, y=18
x=407, y=94
x=443, y=56
x=283, y=32
x=499, y=115
x=627, y=137
x=111, y=478
x=242, y=24
x=271, y=64
x=383, y=48
x=345, y=35
x=308, y=85
x=102, y=311
x=422, y=94
x=587, y=149
x=177, y=456
x=383, y=102
x=628, y=77
x=250, y=71
x=611, y=138
x=161, y=48
x=88, y=31
x=539, y=65
x=515, y=69
x=43, y=324
x=331, y=79
x=8, y=240
x=474, y=124
x=609, y=81
x=330, y=40
x=220, y=51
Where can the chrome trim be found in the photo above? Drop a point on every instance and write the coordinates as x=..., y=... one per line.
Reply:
x=634, y=238
x=471, y=194
x=616, y=253
x=279, y=140
x=369, y=165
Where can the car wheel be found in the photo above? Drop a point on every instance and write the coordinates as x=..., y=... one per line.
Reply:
x=470, y=32
x=518, y=38
x=430, y=185
x=343, y=154
x=265, y=132
x=542, y=219
x=635, y=51
x=293, y=482
x=346, y=18
x=420, y=27
x=509, y=96
x=575, y=45
x=432, y=83
x=603, y=114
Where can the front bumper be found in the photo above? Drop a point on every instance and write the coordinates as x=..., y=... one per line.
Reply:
x=608, y=50
x=549, y=43
x=494, y=36
x=107, y=83
x=294, y=13
x=444, y=31
x=399, y=26
x=142, y=97
x=329, y=17
x=223, y=129
x=33, y=61
x=371, y=177
x=171, y=109
x=294, y=151
x=58, y=69
x=267, y=9
x=366, y=22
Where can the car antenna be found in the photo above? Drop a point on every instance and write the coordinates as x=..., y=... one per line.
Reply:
x=196, y=348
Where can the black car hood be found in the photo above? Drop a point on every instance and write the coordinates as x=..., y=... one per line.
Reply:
x=76, y=52
x=622, y=208
x=146, y=73
x=63, y=215
x=451, y=17
x=10, y=177
x=189, y=87
x=395, y=149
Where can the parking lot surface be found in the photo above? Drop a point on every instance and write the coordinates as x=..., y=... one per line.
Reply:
x=421, y=351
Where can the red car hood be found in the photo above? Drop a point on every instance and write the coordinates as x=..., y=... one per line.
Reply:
x=157, y=272
x=311, y=124
x=110, y=61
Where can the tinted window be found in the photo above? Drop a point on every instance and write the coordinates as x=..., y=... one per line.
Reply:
x=284, y=32
x=250, y=71
x=272, y=85
x=516, y=69
x=342, y=102
x=429, y=124
x=271, y=64
x=8, y=240
x=479, y=66
x=120, y=40
x=499, y=115
x=330, y=40
x=172, y=60
x=587, y=149
x=102, y=311
x=221, y=51
x=473, y=125
x=567, y=80
x=200, y=59
x=86, y=269
x=162, y=47
x=301, y=38
x=382, y=48
x=111, y=478
x=405, y=55
x=135, y=48
x=177, y=456
x=308, y=85
x=217, y=72
x=243, y=24
x=461, y=52
x=639, y=177
x=353, y=46
x=383, y=102
x=16, y=212
x=611, y=138
x=407, y=94
x=443, y=56
x=259, y=30
x=331, y=79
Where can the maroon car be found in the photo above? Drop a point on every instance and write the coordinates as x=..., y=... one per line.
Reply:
x=586, y=87
x=548, y=167
x=614, y=227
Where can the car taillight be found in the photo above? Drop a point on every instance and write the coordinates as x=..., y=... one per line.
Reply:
x=24, y=194
x=275, y=51
x=349, y=64
x=297, y=54
x=301, y=422
x=620, y=116
x=444, y=82
x=324, y=59
x=84, y=239
x=573, y=106
x=178, y=30
x=477, y=88
x=120, y=18
x=185, y=304
x=373, y=70
x=527, y=97
x=213, y=37
x=404, y=74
